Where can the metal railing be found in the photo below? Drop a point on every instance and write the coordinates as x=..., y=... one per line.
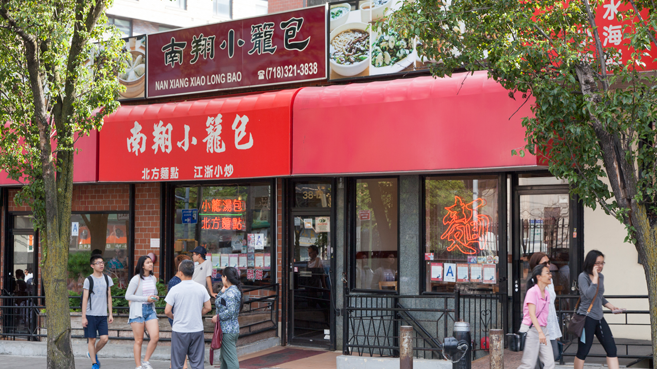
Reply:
x=372, y=322
x=23, y=317
x=565, y=305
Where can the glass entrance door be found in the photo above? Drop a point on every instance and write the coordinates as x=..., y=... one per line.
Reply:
x=311, y=279
x=546, y=224
x=310, y=265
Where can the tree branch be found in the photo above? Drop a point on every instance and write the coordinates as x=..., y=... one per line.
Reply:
x=652, y=37
x=598, y=46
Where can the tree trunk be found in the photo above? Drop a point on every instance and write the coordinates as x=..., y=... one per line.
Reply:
x=646, y=245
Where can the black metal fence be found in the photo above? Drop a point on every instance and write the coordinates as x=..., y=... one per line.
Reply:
x=372, y=322
x=627, y=349
x=24, y=317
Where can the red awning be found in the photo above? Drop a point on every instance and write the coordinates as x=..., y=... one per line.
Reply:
x=85, y=161
x=235, y=137
x=409, y=125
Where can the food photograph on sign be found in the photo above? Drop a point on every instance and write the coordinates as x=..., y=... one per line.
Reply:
x=133, y=77
x=357, y=50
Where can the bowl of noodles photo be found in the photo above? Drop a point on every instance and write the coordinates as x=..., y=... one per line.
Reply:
x=350, y=49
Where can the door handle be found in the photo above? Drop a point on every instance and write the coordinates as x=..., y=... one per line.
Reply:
x=291, y=282
x=515, y=285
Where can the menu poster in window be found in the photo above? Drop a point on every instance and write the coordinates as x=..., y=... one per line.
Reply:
x=214, y=273
x=437, y=272
x=450, y=272
x=258, y=274
x=259, y=260
x=251, y=240
x=489, y=274
x=250, y=260
x=233, y=260
x=224, y=260
x=322, y=224
x=428, y=256
x=236, y=242
x=242, y=261
x=463, y=273
x=259, y=241
x=476, y=273
x=267, y=261
x=250, y=275
x=250, y=249
x=472, y=260
x=216, y=261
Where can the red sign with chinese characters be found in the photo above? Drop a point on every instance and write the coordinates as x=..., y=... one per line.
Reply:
x=238, y=137
x=272, y=49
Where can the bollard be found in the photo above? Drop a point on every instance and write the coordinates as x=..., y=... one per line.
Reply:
x=496, y=349
x=406, y=347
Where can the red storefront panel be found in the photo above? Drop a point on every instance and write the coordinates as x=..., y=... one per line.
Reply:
x=85, y=162
x=419, y=124
x=237, y=137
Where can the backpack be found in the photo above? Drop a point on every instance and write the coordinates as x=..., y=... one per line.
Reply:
x=91, y=286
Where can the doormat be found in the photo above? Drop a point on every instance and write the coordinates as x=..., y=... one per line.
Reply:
x=277, y=358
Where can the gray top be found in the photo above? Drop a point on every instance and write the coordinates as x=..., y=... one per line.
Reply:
x=97, y=300
x=187, y=299
x=587, y=291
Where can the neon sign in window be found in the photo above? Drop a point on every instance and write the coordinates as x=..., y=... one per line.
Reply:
x=466, y=226
x=223, y=206
x=225, y=223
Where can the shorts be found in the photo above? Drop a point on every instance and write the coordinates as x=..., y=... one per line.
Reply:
x=96, y=324
x=147, y=313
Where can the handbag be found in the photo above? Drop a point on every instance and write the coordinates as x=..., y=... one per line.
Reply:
x=517, y=340
x=216, y=340
x=577, y=321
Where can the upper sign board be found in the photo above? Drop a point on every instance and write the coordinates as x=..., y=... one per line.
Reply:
x=273, y=49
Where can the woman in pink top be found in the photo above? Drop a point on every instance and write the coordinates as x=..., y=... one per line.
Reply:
x=534, y=322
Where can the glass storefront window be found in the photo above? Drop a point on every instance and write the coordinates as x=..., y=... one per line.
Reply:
x=461, y=234
x=234, y=224
x=102, y=233
x=377, y=246
x=312, y=195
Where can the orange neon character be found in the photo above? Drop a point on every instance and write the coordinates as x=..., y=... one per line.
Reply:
x=206, y=206
x=464, y=230
x=225, y=223
x=206, y=223
x=216, y=222
x=238, y=205
x=237, y=224
x=216, y=205
x=228, y=205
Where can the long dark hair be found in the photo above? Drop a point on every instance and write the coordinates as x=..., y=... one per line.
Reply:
x=233, y=276
x=590, y=259
x=139, y=269
x=533, y=280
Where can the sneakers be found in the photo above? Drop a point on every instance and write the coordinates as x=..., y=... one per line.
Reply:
x=95, y=366
x=97, y=361
x=146, y=365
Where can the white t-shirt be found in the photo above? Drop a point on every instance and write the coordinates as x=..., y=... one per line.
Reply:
x=201, y=272
x=187, y=299
x=148, y=286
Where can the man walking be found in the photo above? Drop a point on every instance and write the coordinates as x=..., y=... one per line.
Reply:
x=202, y=269
x=187, y=302
x=96, y=306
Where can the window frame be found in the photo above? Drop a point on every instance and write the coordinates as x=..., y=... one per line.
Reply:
x=352, y=208
x=170, y=209
x=112, y=19
x=502, y=236
x=220, y=15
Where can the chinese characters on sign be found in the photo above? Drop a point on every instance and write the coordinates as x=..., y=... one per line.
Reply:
x=465, y=226
x=279, y=48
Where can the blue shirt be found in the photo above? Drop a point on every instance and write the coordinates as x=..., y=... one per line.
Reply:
x=174, y=281
x=228, y=313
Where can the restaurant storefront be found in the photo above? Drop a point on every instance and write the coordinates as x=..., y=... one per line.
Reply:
x=330, y=200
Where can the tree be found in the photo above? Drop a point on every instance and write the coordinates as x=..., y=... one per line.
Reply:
x=57, y=80
x=594, y=110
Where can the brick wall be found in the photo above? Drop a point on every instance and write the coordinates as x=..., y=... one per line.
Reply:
x=147, y=221
x=276, y=6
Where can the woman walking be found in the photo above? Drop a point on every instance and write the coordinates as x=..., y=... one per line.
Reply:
x=174, y=281
x=534, y=322
x=553, y=322
x=142, y=294
x=229, y=305
x=592, y=290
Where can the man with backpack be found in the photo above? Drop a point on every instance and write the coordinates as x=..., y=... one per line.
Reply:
x=96, y=304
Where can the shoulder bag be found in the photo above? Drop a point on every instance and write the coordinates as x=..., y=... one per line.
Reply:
x=216, y=340
x=577, y=321
x=516, y=341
